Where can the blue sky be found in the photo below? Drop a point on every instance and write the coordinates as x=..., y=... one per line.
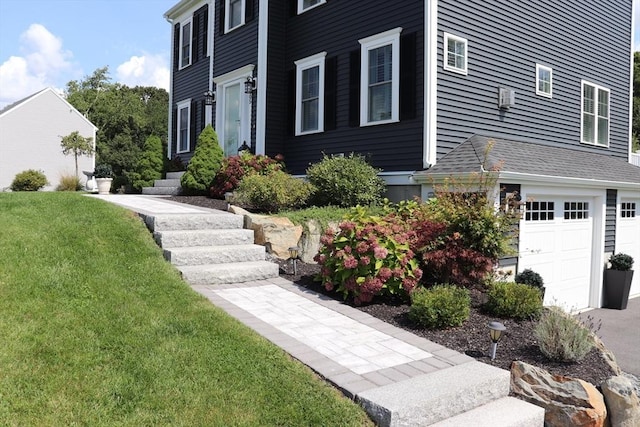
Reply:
x=50, y=42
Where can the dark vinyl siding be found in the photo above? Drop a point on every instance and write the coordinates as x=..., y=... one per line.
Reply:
x=610, y=221
x=191, y=82
x=336, y=27
x=238, y=47
x=505, y=41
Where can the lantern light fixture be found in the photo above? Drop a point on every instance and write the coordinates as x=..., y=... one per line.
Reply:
x=209, y=97
x=495, y=332
x=249, y=85
x=294, y=251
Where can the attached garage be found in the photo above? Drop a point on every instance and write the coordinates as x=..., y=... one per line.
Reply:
x=556, y=241
x=628, y=234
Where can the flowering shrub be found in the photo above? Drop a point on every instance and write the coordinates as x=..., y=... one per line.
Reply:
x=368, y=256
x=234, y=168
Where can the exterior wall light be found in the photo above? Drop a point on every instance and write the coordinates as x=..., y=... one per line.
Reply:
x=209, y=97
x=495, y=332
x=249, y=85
x=293, y=255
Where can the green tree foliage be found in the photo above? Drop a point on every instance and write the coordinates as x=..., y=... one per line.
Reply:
x=125, y=117
x=149, y=166
x=205, y=163
x=76, y=144
x=636, y=102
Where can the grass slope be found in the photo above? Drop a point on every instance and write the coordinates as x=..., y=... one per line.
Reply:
x=97, y=329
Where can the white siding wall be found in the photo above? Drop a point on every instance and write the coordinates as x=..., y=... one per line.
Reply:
x=30, y=137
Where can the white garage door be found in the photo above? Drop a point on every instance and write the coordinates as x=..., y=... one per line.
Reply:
x=628, y=236
x=555, y=241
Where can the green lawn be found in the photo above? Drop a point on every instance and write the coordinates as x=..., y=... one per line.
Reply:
x=97, y=329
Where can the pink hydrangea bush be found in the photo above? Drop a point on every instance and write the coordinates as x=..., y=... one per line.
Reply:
x=369, y=256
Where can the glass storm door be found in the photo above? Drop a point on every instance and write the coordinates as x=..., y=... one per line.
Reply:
x=232, y=119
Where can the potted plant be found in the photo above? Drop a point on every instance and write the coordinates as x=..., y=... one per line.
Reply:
x=531, y=278
x=617, y=281
x=103, y=175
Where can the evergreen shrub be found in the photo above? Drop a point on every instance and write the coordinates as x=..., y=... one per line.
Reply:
x=345, y=181
x=29, y=180
x=272, y=193
x=514, y=300
x=205, y=163
x=440, y=306
x=149, y=166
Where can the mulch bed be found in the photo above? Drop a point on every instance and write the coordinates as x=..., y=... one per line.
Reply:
x=472, y=338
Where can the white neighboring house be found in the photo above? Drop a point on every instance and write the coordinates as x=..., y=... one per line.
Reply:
x=30, y=134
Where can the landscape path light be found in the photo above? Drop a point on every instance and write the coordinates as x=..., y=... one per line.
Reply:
x=228, y=197
x=293, y=255
x=495, y=331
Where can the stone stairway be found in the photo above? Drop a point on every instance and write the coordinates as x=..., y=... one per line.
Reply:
x=165, y=187
x=211, y=248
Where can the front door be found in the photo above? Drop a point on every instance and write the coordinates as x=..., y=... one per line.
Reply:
x=233, y=116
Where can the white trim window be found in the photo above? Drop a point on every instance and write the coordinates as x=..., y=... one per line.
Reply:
x=310, y=94
x=455, y=54
x=304, y=5
x=544, y=80
x=380, y=78
x=595, y=114
x=234, y=14
x=183, y=126
x=186, y=32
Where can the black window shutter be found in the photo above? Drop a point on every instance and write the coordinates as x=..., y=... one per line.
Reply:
x=195, y=32
x=221, y=17
x=194, y=115
x=205, y=30
x=293, y=7
x=291, y=102
x=203, y=114
x=330, y=82
x=408, y=82
x=173, y=138
x=248, y=10
x=176, y=46
x=354, y=88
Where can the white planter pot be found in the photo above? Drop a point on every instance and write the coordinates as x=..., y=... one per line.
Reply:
x=104, y=185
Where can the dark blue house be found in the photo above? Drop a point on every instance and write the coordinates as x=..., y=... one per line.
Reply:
x=423, y=88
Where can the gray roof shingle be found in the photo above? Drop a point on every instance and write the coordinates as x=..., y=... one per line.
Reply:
x=533, y=158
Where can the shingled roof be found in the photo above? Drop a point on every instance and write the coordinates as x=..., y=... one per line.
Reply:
x=534, y=159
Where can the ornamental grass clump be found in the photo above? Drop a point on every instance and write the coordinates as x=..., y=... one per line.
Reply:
x=441, y=306
x=368, y=256
x=562, y=337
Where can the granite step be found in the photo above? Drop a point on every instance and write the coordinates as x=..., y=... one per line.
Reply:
x=161, y=191
x=202, y=255
x=206, y=221
x=237, y=272
x=184, y=238
x=505, y=412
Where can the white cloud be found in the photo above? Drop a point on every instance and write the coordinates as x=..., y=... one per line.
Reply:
x=145, y=70
x=43, y=61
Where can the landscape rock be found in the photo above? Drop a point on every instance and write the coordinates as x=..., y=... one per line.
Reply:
x=622, y=402
x=278, y=234
x=310, y=242
x=567, y=401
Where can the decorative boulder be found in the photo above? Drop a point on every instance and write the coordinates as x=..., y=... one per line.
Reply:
x=623, y=404
x=310, y=242
x=567, y=401
x=277, y=233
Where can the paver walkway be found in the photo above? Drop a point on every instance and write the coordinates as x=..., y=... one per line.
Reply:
x=400, y=378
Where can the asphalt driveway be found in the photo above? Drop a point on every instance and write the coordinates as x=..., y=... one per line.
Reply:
x=620, y=332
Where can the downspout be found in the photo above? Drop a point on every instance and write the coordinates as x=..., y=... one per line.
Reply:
x=170, y=109
x=261, y=101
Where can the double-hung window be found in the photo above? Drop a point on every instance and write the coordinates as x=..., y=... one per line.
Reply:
x=380, y=78
x=544, y=77
x=304, y=5
x=595, y=114
x=185, y=44
x=184, y=124
x=235, y=13
x=310, y=94
x=455, y=53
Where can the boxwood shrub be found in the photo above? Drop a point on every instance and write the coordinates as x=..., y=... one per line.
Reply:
x=440, y=306
x=514, y=300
